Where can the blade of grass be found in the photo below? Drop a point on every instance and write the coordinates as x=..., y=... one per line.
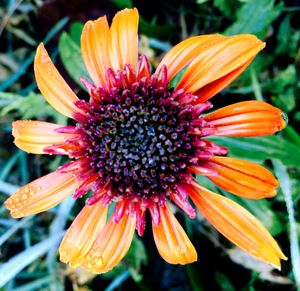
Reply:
x=24, y=168
x=117, y=282
x=8, y=188
x=285, y=184
x=22, y=70
x=157, y=44
x=256, y=86
x=57, y=226
x=3, y=209
x=5, y=171
x=194, y=278
x=17, y=225
x=8, y=222
x=36, y=284
x=32, y=275
x=27, y=238
x=10, y=269
x=9, y=13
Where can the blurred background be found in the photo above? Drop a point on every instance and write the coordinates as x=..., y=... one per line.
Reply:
x=28, y=247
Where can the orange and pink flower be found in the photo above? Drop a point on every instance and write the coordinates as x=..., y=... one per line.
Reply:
x=138, y=143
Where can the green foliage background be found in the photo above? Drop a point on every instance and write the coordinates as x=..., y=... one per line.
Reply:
x=28, y=247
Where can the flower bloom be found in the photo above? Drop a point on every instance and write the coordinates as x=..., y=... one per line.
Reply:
x=138, y=143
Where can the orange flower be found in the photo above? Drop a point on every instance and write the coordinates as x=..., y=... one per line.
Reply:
x=137, y=144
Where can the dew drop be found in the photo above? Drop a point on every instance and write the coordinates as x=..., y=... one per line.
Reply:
x=285, y=118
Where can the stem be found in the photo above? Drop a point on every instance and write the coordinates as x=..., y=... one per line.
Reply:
x=256, y=86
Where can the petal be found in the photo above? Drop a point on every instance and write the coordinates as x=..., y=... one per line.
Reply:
x=52, y=85
x=171, y=240
x=248, y=118
x=94, y=39
x=123, y=39
x=82, y=234
x=218, y=60
x=33, y=136
x=237, y=224
x=41, y=194
x=243, y=178
x=111, y=245
x=183, y=53
x=213, y=88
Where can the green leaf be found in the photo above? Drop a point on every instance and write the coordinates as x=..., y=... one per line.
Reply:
x=227, y=7
x=31, y=106
x=75, y=32
x=297, y=116
x=196, y=277
x=71, y=57
x=121, y=4
x=287, y=38
x=285, y=101
x=137, y=256
x=199, y=2
x=155, y=30
x=175, y=80
x=282, y=86
x=259, y=149
x=292, y=135
x=255, y=17
x=223, y=282
x=284, y=79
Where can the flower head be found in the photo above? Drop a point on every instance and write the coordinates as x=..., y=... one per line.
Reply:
x=138, y=143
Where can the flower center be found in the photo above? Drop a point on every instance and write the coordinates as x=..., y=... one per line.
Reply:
x=138, y=139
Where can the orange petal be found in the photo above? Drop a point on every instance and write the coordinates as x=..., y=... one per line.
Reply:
x=52, y=85
x=183, y=53
x=218, y=60
x=94, y=39
x=82, y=234
x=238, y=225
x=33, y=136
x=41, y=194
x=248, y=118
x=243, y=178
x=171, y=240
x=111, y=245
x=215, y=87
x=123, y=39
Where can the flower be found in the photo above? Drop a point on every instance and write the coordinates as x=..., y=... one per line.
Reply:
x=138, y=143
